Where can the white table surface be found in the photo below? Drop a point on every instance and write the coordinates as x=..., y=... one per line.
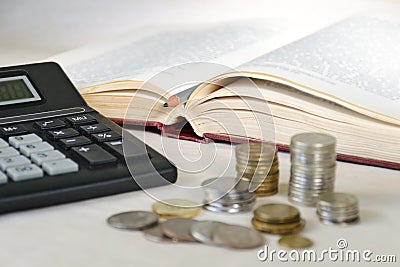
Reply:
x=76, y=234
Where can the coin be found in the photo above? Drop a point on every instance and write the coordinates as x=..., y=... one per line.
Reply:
x=156, y=234
x=277, y=213
x=238, y=237
x=179, y=229
x=295, y=241
x=202, y=231
x=172, y=208
x=133, y=220
x=313, y=141
x=279, y=229
x=338, y=208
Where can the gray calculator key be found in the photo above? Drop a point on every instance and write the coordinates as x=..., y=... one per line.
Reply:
x=60, y=166
x=27, y=150
x=26, y=172
x=3, y=178
x=13, y=162
x=8, y=152
x=3, y=143
x=51, y=155
x=17, y=141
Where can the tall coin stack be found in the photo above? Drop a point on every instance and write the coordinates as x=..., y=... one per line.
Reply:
x=338, y=208
x=258, y=163
x=313, y=158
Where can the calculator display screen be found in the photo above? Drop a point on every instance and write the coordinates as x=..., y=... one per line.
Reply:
x=17, y=89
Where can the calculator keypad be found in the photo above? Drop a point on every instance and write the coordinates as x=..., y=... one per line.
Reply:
x=28, y=156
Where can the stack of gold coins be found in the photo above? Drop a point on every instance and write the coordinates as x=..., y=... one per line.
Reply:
x=277, y=219
x=258, y=163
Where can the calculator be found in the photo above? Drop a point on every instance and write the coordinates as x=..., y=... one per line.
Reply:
x=55, y=149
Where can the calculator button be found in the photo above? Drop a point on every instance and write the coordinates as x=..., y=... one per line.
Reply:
x=17, y=141
x=94, y=128
x=107, y=136
x=50, y=124
x=8, y=152
x=81, y=119
x=94, y=154
x=27, y=150
x=115, y=147
x=13, y=130
x=3, y=143
x=51, y=155
x=3, y=178
x=75, y=141
x=62, y=133
x=13, y=162
x=57, y=167
x=22, y=173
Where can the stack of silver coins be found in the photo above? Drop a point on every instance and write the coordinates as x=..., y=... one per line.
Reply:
x=257, y=163
x=227, y=194
x=338, y=208
x=313, y=158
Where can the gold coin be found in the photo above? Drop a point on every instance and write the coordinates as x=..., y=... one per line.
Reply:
x=173, y=208
x=277, y=213
x=295, y=241
x=278, y=229
x=260, y=193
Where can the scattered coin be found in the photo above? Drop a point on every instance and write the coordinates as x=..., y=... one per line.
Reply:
x=178, y=229
x=133, y=220
x=238, y=237
x=295, y=241
x=202, y=231
x=156, y=234
x=172, y=208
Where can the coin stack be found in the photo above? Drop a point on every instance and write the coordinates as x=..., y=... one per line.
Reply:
x=338, y=208
x=277, y=219
x=313, y=159
x=258, y=163
x=227, y=194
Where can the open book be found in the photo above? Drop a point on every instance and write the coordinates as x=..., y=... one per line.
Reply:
x=343, y=80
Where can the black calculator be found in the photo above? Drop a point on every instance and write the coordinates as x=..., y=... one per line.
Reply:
x=55, y=149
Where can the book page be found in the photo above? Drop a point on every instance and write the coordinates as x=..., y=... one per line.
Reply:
x=356, y=60
x=141, y=54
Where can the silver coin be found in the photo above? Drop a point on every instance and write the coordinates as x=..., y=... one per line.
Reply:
x=179, y=229
x=313, y=141
x=228, y=209
x=238, y=237
x=156, y=234
x=202, y=231
x=338, y=200
x=133, y=220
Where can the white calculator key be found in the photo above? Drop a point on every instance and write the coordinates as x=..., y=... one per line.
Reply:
x=3, y=143
x=13, y=162
x=17, y=141
x=3, y=178
x=27, y=150
x=27, y=172
x=8, y=152
x=51, y=155
x=60, y=166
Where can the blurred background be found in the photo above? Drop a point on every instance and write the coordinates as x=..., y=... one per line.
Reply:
x=32, y=30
